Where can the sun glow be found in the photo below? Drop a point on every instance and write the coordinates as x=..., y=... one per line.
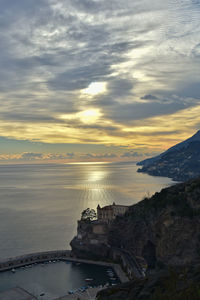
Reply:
x=89, y=115
x=95, y=88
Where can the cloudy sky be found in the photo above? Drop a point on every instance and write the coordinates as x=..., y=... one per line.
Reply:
x=97, y=79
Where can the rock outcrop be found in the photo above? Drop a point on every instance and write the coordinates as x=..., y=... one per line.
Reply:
x=91, y=241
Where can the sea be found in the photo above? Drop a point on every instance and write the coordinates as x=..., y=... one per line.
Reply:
x=41, y=203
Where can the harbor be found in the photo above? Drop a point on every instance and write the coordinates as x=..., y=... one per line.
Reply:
x=58, y=276
x=53, y=256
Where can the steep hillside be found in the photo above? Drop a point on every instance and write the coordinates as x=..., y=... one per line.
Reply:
x=179, y=284
x=163, y=234
x=179, y=146
x=165, y=229
x=181, y=162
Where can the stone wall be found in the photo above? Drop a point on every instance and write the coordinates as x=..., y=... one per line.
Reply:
x=91, y=241
x=28, y=259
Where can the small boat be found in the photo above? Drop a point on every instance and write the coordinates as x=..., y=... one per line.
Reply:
x=89, y=279
x=42, y=294
x=13, y=270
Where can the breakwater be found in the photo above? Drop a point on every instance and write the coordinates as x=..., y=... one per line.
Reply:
x=63, y=255
x=38, y=257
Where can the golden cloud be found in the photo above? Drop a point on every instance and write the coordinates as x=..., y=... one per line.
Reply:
x=159, y=132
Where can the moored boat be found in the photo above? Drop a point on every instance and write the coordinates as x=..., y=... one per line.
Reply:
x=89, y=279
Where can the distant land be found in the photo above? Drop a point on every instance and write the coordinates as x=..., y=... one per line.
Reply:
x=180, y=162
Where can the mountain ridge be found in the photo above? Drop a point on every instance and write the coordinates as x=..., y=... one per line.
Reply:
x=180, y=162
x=195, y=137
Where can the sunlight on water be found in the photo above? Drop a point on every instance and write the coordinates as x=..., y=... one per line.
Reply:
x=95, y=176
x=40, y=204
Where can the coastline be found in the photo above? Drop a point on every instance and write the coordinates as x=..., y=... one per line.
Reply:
x=63, y=255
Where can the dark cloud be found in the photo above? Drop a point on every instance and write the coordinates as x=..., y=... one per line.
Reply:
x=31, y=156
x=130, y=154
x=149, y=97
x=52, y=49
x=120, y=87
x=51, y=156
x=190, y=89
x=125, y=113
x=80, y=77
x=98, y=156
x=24, y=117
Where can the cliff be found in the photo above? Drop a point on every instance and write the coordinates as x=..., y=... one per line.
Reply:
x=180, y=162
x=163, y=231
x=91, y=241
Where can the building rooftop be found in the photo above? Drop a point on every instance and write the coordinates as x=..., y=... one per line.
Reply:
x=111, y=206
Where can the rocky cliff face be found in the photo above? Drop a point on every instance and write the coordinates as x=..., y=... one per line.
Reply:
x=164, y=229
x=91, y=241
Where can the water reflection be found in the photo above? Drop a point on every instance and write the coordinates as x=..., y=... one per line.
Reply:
x=54, y=279
x=98, y=175
x=40, y=204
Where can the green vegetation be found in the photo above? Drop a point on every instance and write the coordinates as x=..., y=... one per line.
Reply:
x=88, y=215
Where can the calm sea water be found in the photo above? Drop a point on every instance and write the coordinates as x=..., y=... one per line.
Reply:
x=39, y=208
x=55, y=279
x=40, y=204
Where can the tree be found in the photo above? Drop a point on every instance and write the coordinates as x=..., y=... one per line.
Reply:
x=88, y=214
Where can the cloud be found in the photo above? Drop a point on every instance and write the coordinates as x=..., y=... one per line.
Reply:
x=149, y=97
x=130, y=154
x=98, y=156
x=30, y=156
x=52, y=50
x=34, y=156
x=80, y=77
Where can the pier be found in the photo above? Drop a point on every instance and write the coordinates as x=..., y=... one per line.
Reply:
x=63, y=255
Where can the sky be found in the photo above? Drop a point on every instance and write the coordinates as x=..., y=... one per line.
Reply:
x=97, y=80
